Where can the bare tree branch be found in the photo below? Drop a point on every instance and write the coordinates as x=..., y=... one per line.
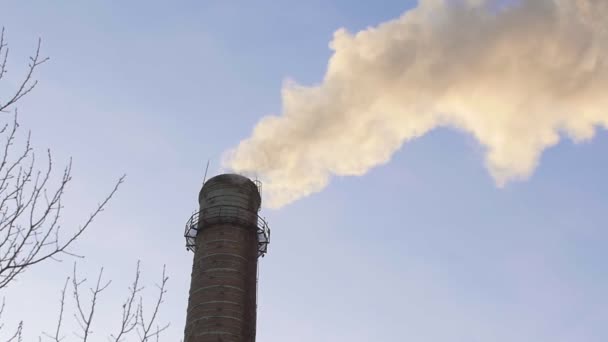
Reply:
x=17, y=336
x=85, y=317
x=3, y=54
x=132, y=319
x=28, y=84
x=2, y=312
x=56, y=337
x=145, y=331
x=30, y=224
x=30, y=211
x=130, y=309
x=29, y=218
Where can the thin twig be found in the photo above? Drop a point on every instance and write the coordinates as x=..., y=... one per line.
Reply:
x=85, y=317
x=129, y=311
x=145, y=332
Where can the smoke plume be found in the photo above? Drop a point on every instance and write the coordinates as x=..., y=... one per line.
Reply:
x=517, y=76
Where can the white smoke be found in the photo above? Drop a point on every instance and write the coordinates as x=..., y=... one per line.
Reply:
x=516, y=76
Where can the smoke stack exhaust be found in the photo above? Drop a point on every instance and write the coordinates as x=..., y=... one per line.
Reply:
x=518, y=76
x=227, y=237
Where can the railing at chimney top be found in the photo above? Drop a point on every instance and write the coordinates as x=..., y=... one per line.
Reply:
x=227, y=214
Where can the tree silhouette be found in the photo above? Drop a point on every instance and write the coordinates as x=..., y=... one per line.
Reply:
x=30, y=224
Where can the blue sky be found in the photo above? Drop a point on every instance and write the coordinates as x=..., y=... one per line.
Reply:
x=424, y=248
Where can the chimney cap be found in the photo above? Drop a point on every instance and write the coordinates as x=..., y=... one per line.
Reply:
x=232, y=180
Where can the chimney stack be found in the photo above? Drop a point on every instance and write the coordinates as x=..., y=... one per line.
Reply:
x=227, y=237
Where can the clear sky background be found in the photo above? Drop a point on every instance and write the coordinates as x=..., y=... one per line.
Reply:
x=425, y=248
